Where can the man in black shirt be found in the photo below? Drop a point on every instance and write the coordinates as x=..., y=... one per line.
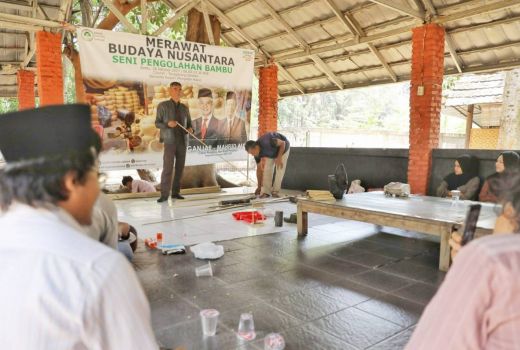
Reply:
x=169, y=114
x=270, y=150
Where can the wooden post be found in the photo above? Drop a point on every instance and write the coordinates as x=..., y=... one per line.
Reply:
x=469, y=124
x=302, y=221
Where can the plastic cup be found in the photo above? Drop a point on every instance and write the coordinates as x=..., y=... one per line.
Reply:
x=278, y=218
x=455, y=194
x=246, y=327
x=204, y=270
x=274, y=341
x=209, y=319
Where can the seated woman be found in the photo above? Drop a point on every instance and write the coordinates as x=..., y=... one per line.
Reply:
x=477, y=306
x=464, y=178
x=508, y=161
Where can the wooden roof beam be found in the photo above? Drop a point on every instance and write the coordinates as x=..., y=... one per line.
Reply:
x=207, y=22
x=319, y=62
x=224, y=18
x=122, y=18
x=347, y=23
x=181, y=11
x=402, y=30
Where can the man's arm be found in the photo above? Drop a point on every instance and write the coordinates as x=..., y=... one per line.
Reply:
x=160, y=117
x=259, y=176
x=189, y=126
x=281, y=149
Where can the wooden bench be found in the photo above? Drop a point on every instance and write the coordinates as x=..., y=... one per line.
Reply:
x=430, y=215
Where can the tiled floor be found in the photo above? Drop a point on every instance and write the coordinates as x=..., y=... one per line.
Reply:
x=344, y=286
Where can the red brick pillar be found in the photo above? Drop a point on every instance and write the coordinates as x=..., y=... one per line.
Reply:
x=268, y=99
x=50, y=71
x=25, y=89
x=425, y=102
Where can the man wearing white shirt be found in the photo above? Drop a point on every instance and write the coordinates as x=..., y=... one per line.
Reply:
x=60, y=288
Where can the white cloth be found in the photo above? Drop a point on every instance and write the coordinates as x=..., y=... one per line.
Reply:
x=63, y=290
x=104, y=226
x=142, y=186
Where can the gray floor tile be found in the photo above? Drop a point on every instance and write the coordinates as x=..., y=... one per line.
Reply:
x=357, y=327
x=309, y=337
x=305, y=277
x=406, y=269
x=380, y=280
x=265, y=288
x=336, y=266
x=168, y=312
x=348, y=292
x=397, y=310
x=418, y=292
x=396, y=342
x=308, y=305
x=267, y=318
x=366, y=259
x=239, y=272
x=220, y=298
x=188, y=336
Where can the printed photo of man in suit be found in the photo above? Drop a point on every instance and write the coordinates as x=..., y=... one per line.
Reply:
x=206, y=127
x=233, y=127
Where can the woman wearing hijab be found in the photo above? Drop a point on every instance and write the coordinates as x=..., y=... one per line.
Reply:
x=464, y=178
x=507, y=162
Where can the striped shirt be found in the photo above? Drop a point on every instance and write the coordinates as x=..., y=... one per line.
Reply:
x=478, y=305
x=63, y=290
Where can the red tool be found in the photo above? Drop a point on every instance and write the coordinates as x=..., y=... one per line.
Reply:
x=249, y=216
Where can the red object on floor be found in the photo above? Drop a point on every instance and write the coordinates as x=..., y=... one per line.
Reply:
x=249, y=216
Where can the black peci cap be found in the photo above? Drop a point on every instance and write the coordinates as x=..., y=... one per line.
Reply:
x=204, y=92
x=50, y=131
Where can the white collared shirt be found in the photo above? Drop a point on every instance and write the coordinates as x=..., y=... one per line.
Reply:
x=62, y=290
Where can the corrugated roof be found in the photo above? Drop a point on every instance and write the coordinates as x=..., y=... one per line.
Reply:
x=476, y=89
x=14, y=40
x=361, y=42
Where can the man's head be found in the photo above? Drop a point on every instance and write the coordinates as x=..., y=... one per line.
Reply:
x=231, y=104
x=175, y=91
x=127, y=182
x=253, y=148
x=51, y=156
x=205, y=102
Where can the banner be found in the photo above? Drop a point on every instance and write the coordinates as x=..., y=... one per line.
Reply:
x=127, y=76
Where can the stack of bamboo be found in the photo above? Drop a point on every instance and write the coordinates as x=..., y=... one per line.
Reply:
x=317, y=195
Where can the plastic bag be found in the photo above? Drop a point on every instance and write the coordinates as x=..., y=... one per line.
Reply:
x=356, y=187
x=207, y=250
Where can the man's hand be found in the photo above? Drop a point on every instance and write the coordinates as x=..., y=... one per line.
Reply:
x=190, y=130
x=172, y=123
x=455, y=244
x=257, y=191
x=279, y=163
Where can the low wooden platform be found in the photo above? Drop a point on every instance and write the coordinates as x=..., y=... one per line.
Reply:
x=184, y=191
x=430, y=215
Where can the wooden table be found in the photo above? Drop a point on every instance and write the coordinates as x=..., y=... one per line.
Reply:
x=430, y=215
